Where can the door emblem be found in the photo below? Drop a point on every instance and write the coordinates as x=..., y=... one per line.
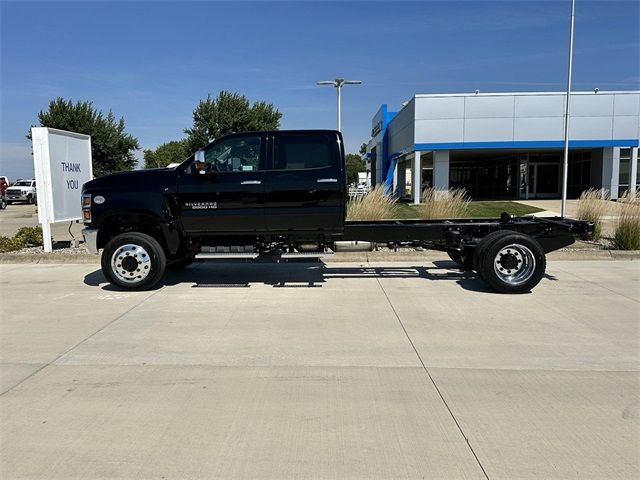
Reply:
x=201, y=205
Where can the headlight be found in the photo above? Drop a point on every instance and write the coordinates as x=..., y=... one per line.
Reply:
x=86, y=208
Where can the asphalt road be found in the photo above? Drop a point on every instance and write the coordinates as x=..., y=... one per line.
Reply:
x=320, y=371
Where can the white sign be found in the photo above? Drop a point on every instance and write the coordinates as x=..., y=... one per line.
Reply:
x=62, y=162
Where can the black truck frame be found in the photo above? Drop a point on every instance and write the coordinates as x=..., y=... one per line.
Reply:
x=284, y=194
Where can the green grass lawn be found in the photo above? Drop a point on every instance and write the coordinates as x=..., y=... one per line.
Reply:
x=475, y=210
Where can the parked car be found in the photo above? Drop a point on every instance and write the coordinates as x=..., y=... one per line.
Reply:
x=22, y=191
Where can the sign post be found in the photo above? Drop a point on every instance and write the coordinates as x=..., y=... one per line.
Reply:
x=62, y=163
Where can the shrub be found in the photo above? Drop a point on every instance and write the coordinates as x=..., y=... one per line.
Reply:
x=375, y=205
x=8, y=244
x=29, y=237
x=627, y=229
x=592, y=206
x=442, y=204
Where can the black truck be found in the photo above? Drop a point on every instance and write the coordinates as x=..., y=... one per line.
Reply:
x=283, y=194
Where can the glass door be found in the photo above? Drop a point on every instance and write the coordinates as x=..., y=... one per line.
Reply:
x=544, y=180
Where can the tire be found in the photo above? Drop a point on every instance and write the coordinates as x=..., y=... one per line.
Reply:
x=3, y=204
x=143, y=271
x=513, y=263
x=30, y=199
x=483, y=244
x=464, y=260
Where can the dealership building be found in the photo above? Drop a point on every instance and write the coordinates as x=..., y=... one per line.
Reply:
x=507, y=145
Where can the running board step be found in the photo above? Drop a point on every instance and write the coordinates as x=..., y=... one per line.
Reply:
x=307, y=254
x=210, y=256
x=253, y=256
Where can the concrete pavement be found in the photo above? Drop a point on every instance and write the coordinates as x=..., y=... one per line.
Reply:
x=385, y=370
x=553, y=207
x=22, y=215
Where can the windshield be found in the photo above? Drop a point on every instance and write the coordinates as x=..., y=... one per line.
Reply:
x=24, y=183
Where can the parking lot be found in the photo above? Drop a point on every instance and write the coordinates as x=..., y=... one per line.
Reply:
x=22, y=215
x=337, y=370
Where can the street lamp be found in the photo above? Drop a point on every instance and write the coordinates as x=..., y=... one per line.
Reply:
x=338, y=83
x=565, y=164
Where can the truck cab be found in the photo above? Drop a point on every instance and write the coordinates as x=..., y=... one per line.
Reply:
x=254, y=190
x=264, y=183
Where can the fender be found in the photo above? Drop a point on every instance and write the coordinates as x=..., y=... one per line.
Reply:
x=122, y=220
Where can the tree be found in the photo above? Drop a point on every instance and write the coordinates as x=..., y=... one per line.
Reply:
x=363, y=149
x=355, y=164
x=227, y=112
x=171, y=152
x=111, y=147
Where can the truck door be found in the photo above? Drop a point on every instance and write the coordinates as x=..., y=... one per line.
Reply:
x=305, y=186
x=228, y=196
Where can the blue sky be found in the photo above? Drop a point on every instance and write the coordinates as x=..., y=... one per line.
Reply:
x=151, y=61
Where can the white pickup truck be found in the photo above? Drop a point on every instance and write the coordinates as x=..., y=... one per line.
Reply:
x=22, y=191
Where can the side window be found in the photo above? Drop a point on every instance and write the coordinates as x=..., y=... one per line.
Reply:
x=302, y=152
x=237, y=154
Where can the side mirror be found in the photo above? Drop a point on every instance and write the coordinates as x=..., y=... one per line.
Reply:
x=199, y=166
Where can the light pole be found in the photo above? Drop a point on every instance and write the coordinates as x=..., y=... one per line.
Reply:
x=565, y=167
x=338, y=83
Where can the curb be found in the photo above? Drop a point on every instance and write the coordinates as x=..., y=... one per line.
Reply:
x=49, y=258
x=361, y=257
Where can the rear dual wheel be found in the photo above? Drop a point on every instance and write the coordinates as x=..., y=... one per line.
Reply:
x=510, y=262
x=133, y=261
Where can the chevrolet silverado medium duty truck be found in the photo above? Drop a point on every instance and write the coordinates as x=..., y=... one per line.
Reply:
x=284, y=194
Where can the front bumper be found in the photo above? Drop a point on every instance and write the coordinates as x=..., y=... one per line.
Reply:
x=17, y=196
x=91, y=239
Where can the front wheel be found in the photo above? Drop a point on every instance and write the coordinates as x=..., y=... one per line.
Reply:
x=513, y=263
x=3, y=204
x=133, y=261
x=30, y=200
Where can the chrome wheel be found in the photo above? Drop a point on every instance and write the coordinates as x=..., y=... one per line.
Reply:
x=131, y=263
x=514, y=264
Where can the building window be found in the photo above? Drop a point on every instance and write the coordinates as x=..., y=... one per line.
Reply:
x=486, y=178
x=625, y=170
x=579, y=175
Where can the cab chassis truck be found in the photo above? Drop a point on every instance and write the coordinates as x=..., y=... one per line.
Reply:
x=284, y=194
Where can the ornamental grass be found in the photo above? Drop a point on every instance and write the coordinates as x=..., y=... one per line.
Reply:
x=374, y=205
x=592, y=207
x=443, y=204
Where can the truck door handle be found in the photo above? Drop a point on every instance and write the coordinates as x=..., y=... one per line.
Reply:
x=327, y=180
x=251, y=182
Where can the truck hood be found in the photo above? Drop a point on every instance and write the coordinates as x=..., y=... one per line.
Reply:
x=136, y=180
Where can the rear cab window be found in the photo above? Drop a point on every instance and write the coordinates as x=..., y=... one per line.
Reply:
x=305, y=151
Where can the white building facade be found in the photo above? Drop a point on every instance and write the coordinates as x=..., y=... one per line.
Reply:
x=507, y=145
